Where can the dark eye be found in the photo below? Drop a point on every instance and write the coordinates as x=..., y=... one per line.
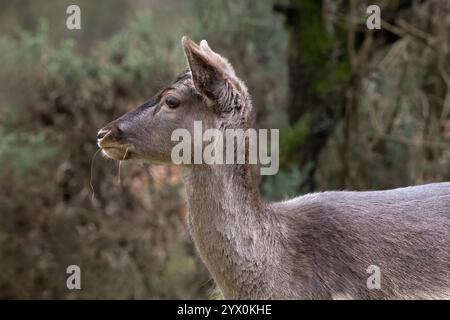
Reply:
x=172, y=102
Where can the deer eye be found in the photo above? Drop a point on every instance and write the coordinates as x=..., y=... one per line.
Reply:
x=172, y=102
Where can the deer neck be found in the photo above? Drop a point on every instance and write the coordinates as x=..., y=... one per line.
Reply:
x=229, y=225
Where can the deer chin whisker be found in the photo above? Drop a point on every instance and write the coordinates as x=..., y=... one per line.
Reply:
x=120, y=165
x=90, y=179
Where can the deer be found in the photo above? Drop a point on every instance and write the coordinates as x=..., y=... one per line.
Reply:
x=315, y=246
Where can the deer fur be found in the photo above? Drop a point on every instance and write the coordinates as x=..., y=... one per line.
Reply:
x=316, y=246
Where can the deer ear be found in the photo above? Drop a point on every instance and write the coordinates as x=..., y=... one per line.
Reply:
x=211, y=73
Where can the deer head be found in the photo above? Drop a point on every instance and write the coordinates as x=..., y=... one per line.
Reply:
x=208, y=91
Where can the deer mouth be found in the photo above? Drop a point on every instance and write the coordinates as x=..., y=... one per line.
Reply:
x=118, y=152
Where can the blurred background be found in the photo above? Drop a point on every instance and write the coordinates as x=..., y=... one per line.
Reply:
x=357, y=109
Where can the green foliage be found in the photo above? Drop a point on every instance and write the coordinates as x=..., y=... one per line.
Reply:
x=312, y=36
x=292, y=138
x=137, y=54
x=328, y=80
x=285, y=184
x=66, y=67
x=25, y=151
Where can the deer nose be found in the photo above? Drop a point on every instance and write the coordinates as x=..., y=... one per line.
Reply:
x=102, y=133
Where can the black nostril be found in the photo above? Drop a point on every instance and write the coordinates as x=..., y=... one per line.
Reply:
x=102, y=133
